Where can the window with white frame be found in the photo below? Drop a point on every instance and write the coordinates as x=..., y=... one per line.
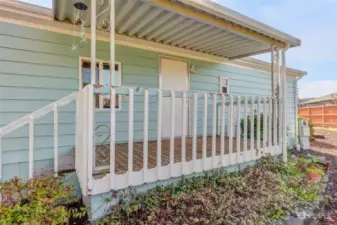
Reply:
x=102, y=78
x=223, y=85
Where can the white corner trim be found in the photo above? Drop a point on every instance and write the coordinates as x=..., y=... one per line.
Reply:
x=64, y=28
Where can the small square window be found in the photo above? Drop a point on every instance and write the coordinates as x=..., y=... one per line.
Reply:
x=223, y=85
x=102, y=78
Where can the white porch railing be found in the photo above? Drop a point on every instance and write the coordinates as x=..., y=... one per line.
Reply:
x=237, y=107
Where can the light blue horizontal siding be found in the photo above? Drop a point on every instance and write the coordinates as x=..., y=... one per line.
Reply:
x=38, y=67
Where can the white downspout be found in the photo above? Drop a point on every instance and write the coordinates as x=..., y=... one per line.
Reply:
x=296, y=109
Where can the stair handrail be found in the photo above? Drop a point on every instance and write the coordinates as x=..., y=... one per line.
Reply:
x=29, y=120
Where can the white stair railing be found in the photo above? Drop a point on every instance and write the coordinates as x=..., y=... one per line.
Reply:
x=30, y=121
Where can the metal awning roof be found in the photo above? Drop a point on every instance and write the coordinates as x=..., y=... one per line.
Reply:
x=188, y=24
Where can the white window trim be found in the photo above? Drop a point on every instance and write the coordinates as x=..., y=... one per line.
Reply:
x=100, y=63
x=220, y=85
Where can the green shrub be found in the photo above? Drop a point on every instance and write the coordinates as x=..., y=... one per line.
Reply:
x=38, y=201
x=242, y=124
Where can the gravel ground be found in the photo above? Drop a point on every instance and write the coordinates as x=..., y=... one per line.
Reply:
x=328, y=148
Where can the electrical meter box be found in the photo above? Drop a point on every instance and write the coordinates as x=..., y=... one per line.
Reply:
x=304, y=135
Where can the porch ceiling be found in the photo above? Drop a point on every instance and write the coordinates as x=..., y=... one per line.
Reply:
x=172, y=23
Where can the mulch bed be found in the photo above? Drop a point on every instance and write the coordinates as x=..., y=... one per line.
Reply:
x=327, y=147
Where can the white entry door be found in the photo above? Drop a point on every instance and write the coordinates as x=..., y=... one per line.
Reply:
x=174, y=76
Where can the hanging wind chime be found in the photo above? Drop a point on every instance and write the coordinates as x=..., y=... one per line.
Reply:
x=79, y=18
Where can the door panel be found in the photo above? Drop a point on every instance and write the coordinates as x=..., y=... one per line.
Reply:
x=174, y=76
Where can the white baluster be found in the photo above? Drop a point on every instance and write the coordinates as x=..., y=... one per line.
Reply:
x=204, y=136
x=112, y=137
x=264, y=124
x=258, y=127
x=0, y=157
x=31, y=147
x=222, y=132
x=252, y=130
x=194, y=130
x=238, y=131
x=231, y=125
x=280, y=118
x=172, y=133
x=270, y=146
x=245, y=130
x=159, y=129
x=56, y=133
x=183, y=137
x=146, y=134
x=130, y=144
x=275, y=122
x=214, y=132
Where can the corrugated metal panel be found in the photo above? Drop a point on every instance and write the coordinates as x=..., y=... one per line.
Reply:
x=143, y=20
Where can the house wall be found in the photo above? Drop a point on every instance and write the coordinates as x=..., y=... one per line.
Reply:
x=38, y=67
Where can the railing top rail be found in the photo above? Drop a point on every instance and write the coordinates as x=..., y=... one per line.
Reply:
x=16, y=124
x=124, y=90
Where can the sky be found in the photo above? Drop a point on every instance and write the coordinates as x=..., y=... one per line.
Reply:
x=312, y=21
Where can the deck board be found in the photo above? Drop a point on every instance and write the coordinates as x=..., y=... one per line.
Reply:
x=103, y=151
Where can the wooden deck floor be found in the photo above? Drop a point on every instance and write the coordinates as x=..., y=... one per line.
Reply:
x=102, y=156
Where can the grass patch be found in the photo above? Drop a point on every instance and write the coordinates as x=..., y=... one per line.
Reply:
x=264, y=194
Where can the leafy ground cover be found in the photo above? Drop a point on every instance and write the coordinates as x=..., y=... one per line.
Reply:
x=264, y=194
x=42, y=200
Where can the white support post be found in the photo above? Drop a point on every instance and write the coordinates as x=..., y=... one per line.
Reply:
x=194, y=130
x=93, y=41
x=222, y=132
x=214, y=132
x=146, y=134
x=56, y=142
x=279, y=99
x=204, y=135
x=252, y=136
x=90, y=138
x=31, y=147
x=130, y=143
x=112, y=43
x=159, y=129
x=172, y=133
x=245, y=130
x=112, y=137
x=231, y=125
x=258, y=127
x=238, y=131
x=284, y=90
x=183, y=137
